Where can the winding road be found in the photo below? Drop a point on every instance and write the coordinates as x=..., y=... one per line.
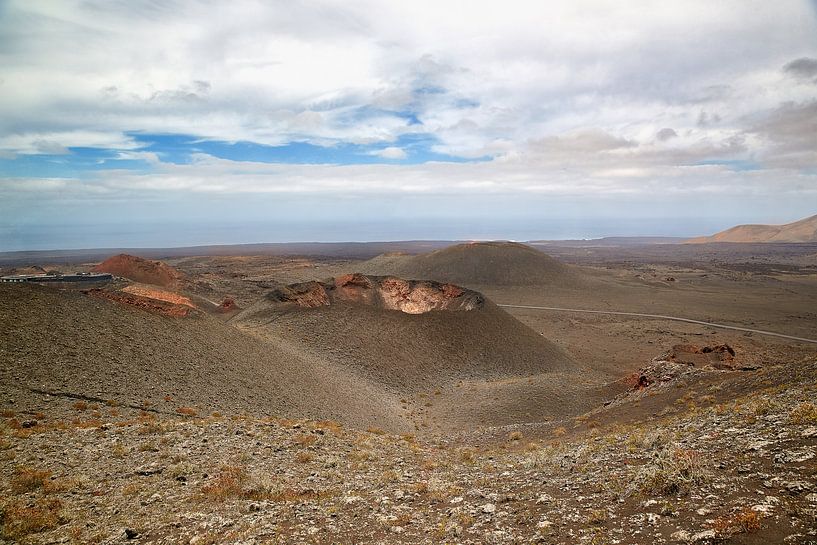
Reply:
x=663, y=317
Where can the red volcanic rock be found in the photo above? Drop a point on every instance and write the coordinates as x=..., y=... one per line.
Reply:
x=353, y=288
x=144, y=303
x=139, y=269
x=306, y=294
x=391, y=293
x=721, y=356
x=228, y=305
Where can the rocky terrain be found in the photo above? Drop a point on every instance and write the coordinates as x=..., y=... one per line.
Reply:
x=705, y=470
x=291, y=400
x=389, y=293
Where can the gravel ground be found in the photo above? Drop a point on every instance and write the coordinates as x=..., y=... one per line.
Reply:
x=742, y=471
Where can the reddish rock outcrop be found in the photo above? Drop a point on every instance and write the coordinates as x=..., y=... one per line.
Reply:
x=144, y=303
x=139, y=269
x=391, y=293
x=721, y=356
x=228, y=305
x=159, y=295
x=305, y=294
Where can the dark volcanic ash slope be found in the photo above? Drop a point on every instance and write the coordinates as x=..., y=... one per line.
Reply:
x=478, y=264
x=70, y=344
x=406, y=335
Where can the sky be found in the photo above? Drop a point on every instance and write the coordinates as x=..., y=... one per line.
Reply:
x=164, y=123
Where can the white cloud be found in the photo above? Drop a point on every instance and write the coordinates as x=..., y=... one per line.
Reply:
x=270, y=72
x=391, y=152
x=565, y=98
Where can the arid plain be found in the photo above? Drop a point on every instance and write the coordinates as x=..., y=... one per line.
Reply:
x=339, y=394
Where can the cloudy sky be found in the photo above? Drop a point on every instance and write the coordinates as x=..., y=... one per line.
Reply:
x=127, y=123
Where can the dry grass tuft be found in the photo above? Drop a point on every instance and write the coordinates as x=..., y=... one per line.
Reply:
x=673, y=472
x=28, y=479
x=303, y=457
x=744, y=521
x=187, y=411
x=804, y=413
x=21, y=520
x=329, y=425
x=305, y=439
x=597, y=517
x=228, y=483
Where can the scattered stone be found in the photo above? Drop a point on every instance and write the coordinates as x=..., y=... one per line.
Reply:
x=681, y=536
x=797, y=487
x=706, y=535
x=811, y=431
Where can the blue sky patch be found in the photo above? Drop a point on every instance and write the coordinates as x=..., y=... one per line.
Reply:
x=180, y=149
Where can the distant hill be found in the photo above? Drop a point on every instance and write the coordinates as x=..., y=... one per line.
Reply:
x=403, y=334
x=477, y=264
x=804, y=230
x=140, y=269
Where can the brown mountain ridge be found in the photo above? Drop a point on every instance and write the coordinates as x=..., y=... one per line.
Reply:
x=804, y=230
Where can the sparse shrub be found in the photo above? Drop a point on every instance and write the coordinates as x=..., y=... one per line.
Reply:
x=130, y=489
x=303, y=457
x=561, y=430
x=80, y=405
x=28, y=479
x=7, y=413
x=467, y=455
x=61, y=484
x=148, y=446
x=515, y=436
x=804, y=413
x=187, y=411
x=744, y=521
x=181, y=469
x=21, y=520
x=358, y=455
x=228, y=483
x=673, y=471
x=376, y=431
x=597, y=517
x=305, y=439
x=329, y=425
x=428, y=465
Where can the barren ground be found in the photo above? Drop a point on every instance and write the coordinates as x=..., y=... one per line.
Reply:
x=123, y=425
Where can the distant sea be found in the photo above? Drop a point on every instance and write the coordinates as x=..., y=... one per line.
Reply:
x=168, y=235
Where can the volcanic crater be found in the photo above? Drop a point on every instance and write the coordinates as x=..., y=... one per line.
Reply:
x=386, y=292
